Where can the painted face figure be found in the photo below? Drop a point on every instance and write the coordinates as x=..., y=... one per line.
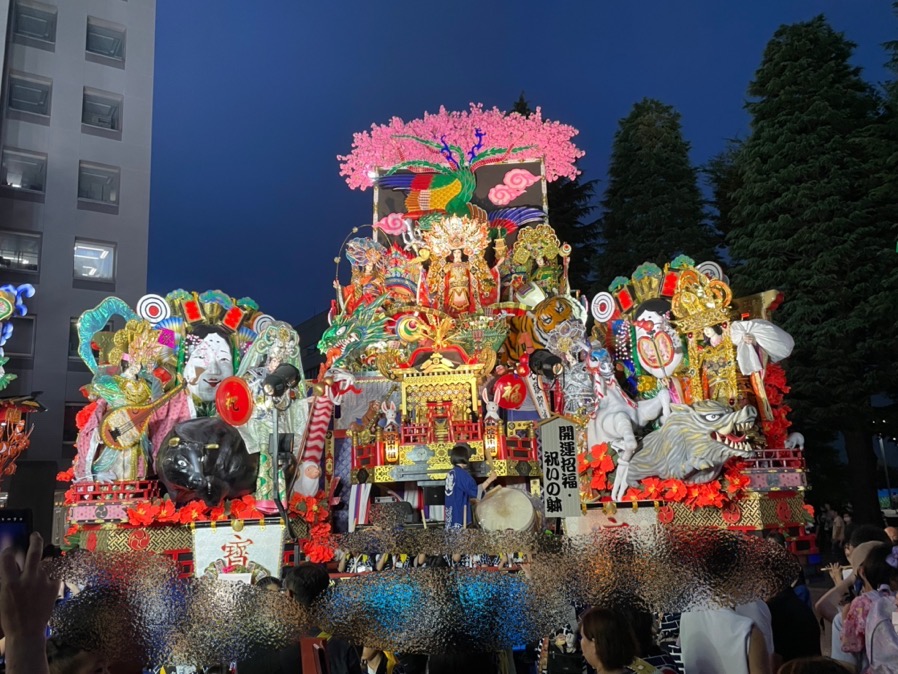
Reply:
x=309, y=479
x=657, y=343
x=208, y=363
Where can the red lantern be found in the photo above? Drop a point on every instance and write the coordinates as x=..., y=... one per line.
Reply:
x=511, y=391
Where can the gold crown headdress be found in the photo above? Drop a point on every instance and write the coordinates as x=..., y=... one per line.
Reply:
x=700, y=302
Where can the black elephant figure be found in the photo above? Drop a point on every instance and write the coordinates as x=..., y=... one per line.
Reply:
x=206, y=459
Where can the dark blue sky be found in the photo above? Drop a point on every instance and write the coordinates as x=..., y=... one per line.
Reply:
x=254, y=100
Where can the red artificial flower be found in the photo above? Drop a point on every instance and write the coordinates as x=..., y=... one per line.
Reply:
x=193, y=512
x=599, y=481
x=693, y=491
x=72, y=530
x=652, y=487
x=583, y=462
x=67, y=475
x=809, y=509
x=84, y=415
x=317, y=553
x=710, y=496
x=245, y=509
x=295, y=499
x=71, y=497
x=143, y=515
x=167, y=512
x=736, y=482
x=218, y=513
x=674, y=490
x=633, y=495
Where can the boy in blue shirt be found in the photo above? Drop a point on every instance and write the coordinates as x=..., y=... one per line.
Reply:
x=461, y=488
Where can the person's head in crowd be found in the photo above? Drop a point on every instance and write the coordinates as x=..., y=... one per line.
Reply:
x=813, y=665
x=892, y=533
x=865, y=533
x=306, y=582
x=643, y=625
x=269, y=583
x=65, y=659
x=846, y=517
x=607, y=640
x=776, y=537
x=463, y=662
x=879, y=567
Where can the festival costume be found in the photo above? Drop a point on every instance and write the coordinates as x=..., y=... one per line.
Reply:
x=460, y=489
x=868, y=632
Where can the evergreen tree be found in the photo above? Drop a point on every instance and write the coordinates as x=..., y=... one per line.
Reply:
x=722, y=176
x=891, y=48
x=653, y=209
x=570, y=205
x=804, y=224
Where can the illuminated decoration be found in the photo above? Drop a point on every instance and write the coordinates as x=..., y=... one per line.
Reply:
x=12, y=304
x=452, y=322
x=512, y=391
x=15, y=434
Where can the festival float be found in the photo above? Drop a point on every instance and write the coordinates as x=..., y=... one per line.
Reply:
x=657, y=401
x=15, y=434
x=189, y=442
x=458, y=324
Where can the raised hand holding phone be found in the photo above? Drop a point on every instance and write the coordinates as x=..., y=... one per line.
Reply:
x=27, y=597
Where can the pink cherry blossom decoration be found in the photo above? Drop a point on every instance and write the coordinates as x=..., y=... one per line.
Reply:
x=380, y=149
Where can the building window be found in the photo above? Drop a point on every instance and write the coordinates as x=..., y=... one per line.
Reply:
x=21, y=342
x=73, y=336
x=101, y=109
x=34, y=20
x=69, y=424
x=28, y=93
x=20, y=251
x=23, y=170
x=105, y=39
x=94, y=261
x=97, y=182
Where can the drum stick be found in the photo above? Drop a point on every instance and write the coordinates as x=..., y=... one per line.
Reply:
x=423, y=518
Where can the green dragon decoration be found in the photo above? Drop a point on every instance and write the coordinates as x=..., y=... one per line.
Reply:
x=349, y=336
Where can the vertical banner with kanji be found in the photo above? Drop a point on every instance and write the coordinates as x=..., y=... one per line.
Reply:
x=254, y=545
x=561, y=490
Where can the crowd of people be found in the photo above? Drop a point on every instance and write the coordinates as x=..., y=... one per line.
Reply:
x=781, y=634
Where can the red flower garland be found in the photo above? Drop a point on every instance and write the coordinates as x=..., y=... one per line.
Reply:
x=318, y=547
x=597, y=464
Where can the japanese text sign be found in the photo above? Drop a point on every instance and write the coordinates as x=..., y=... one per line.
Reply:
x=561, y=490
x=253, y=543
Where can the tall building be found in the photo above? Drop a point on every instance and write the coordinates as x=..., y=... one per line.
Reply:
x=77, y=102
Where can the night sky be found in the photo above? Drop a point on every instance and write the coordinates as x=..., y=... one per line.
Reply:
x=254, y=100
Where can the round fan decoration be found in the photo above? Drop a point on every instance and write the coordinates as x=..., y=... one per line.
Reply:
x=602, y=306
x=153, y=308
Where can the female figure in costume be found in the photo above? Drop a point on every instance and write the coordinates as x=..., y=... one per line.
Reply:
x=460, y=295
x=367, y=284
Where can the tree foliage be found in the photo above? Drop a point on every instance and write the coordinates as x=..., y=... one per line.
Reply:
x=805, y=222
x=570, y=207
x=722, y=175
x=652, y=208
